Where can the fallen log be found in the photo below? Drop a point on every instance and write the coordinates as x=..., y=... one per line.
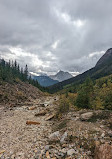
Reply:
x=32, y=122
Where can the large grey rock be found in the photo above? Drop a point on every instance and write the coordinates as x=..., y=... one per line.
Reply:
x=86, y=116
x=54, y=136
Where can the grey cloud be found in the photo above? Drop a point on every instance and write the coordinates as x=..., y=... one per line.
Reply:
x=34, y=26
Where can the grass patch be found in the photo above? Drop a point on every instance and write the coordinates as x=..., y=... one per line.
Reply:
x=61, y=125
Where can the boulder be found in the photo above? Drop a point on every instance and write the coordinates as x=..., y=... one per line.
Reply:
x=86, y=116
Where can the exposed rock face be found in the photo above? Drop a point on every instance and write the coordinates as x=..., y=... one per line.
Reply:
x=86, y=116
x=105, y=58
x=103, y=151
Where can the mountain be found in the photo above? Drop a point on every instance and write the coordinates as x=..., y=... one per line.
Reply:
x=102, y=68
x=61, y=76
x=45, y=80
x=105, y=59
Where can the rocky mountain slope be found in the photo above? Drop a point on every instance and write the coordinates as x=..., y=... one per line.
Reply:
x=13, y=94
x=102, y=68
x=61, y=76
x=105, y=59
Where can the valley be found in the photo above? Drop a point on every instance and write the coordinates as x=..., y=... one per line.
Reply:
x=73, y=123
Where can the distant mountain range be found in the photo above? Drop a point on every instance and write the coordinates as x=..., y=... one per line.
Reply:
x=102, y=68
x=45, y=80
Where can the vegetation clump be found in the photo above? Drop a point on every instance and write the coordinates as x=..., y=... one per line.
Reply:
x=91, y=94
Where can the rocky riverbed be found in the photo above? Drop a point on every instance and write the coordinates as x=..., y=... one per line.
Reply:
x=33, y=132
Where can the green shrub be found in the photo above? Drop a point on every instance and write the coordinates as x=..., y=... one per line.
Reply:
x=64, y=105
x=108, y=101
x=82, y=100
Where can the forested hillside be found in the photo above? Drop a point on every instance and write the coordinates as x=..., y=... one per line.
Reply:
x=90, y=95
x=16, y=86
x=11, y=72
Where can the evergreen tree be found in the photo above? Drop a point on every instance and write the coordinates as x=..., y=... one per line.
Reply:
x=26, y=73
x=84, y=94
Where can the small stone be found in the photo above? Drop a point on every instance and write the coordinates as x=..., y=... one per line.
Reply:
x=1, y=152
x=47, y=147
x=64, y=145
x=41, y=113
x=47, y=155
x=54, y=136
x=63, y=138
x=103, y=135
x=110, y=133
x=64, y=151
x=70, y=152
x=13, y=157
x=32, y=108
x=50, y=117
x=101, y=126
x=61, y=154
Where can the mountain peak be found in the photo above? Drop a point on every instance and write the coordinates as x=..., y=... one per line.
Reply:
x=60, y=72
x=61, y=76
x=105, y=59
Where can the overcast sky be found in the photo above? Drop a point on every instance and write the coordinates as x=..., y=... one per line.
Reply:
x=52, y=35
